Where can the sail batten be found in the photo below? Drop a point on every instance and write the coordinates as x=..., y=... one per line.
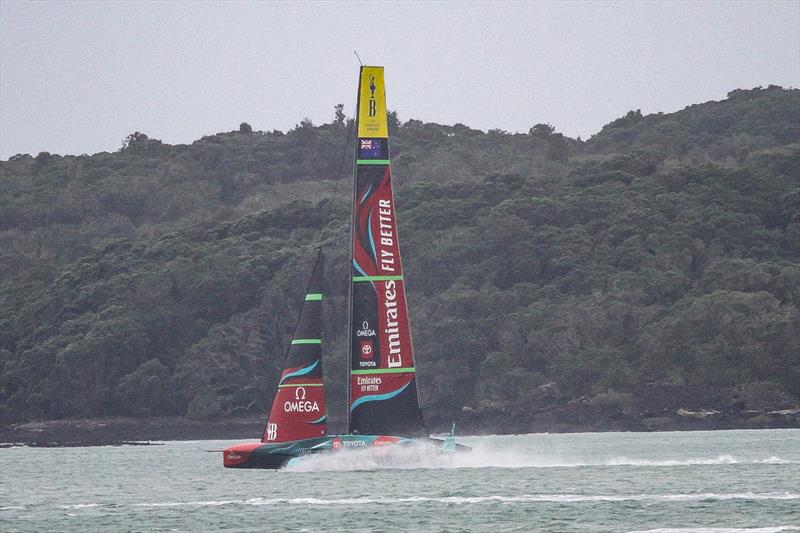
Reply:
x=357, y=279
x=383, y=395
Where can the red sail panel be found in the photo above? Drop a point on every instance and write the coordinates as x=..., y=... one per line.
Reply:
x=383, y=391
x=298, y=410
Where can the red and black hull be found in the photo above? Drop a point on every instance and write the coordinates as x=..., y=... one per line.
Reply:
x=278, y=455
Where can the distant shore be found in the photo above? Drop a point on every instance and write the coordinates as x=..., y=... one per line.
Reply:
x=118, y=430
x=568, y=419
x=584, y=416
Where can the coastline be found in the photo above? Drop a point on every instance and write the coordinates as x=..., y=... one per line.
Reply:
x=126, y=431
x=566, y=419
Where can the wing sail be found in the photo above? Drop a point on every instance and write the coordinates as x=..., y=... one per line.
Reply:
x=383, y=389
x=298, y=410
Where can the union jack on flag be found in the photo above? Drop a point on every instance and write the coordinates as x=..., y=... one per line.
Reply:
x=370, y=148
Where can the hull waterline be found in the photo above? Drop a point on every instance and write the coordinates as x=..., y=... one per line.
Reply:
x=277, y=455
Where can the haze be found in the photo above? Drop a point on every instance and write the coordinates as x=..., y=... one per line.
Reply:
x=78, y=77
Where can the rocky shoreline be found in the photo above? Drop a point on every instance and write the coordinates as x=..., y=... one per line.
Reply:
x=126, y=431
x=576, y=416
x=583, y=416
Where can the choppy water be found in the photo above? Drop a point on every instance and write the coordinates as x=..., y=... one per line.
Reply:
x=721, y=481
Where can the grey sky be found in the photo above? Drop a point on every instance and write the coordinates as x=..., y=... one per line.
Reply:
x=78, y=77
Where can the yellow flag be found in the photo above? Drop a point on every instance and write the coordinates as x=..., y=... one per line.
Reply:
x=372, y=104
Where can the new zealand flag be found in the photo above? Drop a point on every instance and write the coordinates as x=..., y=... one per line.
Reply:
x=371, y=149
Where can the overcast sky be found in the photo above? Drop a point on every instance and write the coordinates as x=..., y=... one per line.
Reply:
x=77, y=77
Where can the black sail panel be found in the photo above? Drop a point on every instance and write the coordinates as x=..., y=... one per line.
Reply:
x=383, y=386
x=298, y=410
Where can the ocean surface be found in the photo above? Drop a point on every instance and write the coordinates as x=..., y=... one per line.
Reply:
x=716, y=481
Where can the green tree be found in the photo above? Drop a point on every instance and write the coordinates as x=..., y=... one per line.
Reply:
x=542, y=131
x=139, y=142
x=392, y=122
x=338, y=117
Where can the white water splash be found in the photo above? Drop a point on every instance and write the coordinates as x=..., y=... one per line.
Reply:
x=380, y=458
x=421, y=457
x=80, y=506
x=719, y=460
x=776, y=461
x=473, y=500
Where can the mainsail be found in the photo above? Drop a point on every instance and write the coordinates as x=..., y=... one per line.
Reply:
x=298, y=410
x=383, y=397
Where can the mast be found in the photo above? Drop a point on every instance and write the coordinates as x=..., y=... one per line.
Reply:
x=382, y=396
x=352, y=242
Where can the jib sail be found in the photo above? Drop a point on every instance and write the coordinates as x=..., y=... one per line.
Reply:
x=298, y=410
x=383, y=390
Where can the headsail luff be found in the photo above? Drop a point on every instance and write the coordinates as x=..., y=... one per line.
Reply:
x=383, y=395
x=298, y=410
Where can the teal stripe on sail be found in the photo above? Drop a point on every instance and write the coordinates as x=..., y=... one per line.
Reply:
x=358, y=267
x=306, y=341
x=364, y=198
x=299, y=372
x=378, y=397
x=369, y=234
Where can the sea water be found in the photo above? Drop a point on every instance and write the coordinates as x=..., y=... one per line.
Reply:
x=717, y=481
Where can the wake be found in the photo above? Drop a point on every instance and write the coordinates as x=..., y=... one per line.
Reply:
x=774, y=529
x=474, y=500
x=414, y=457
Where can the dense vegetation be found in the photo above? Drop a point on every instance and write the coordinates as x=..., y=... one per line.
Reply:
x=655, y=264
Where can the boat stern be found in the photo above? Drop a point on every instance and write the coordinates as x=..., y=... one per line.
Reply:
x=239, y=455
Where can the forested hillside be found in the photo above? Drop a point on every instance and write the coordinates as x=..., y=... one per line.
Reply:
x=653, y=267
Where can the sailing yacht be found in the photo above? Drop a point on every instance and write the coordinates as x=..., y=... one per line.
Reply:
x=383, y=399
